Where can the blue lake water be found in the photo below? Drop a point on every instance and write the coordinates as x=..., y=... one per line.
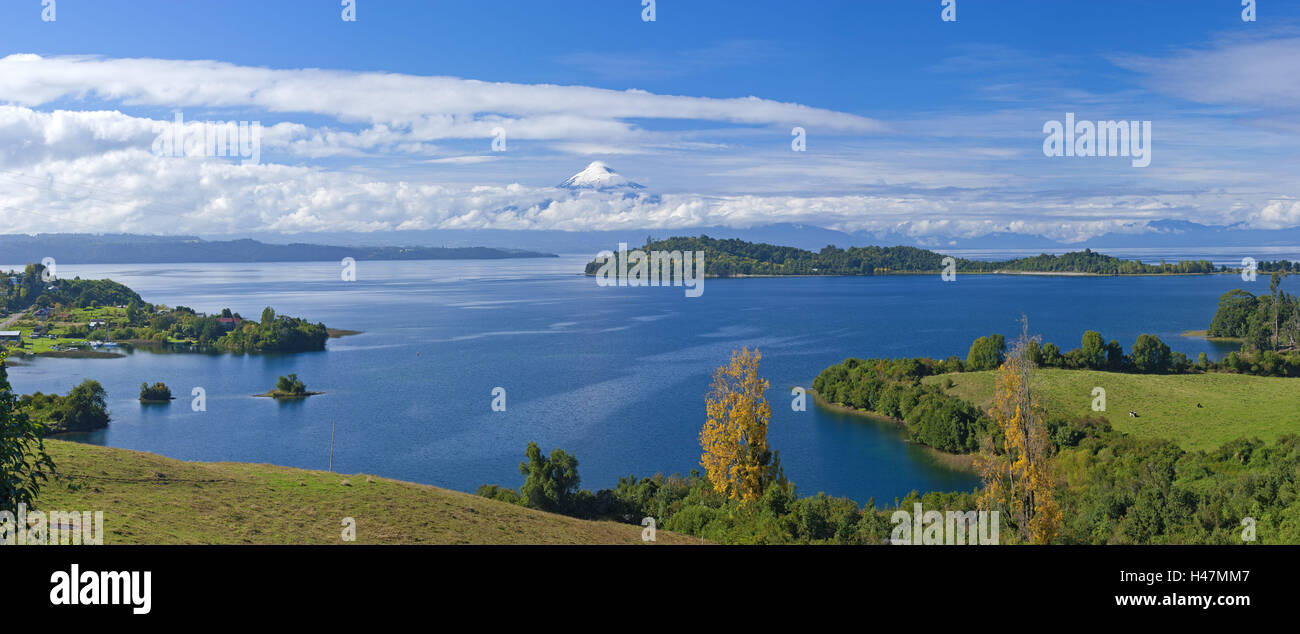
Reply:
x=616, y=376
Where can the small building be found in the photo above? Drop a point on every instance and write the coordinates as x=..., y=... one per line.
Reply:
x=229, y=323
x=11, y=335
x=98, y=323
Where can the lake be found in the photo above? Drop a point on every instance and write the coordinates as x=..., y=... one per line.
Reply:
x=616, y=376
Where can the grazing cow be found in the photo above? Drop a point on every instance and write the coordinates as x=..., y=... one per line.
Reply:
x=1199, y=406
x=1132, y=414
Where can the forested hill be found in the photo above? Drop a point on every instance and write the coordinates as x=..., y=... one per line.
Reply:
x=725, y=258
x=22, y=289
x=76, y=248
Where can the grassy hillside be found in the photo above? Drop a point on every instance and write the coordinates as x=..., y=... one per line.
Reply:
x=148, y=499
x=1234, y=405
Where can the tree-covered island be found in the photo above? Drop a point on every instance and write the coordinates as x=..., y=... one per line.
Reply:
x=289, y=387
x=739, y=258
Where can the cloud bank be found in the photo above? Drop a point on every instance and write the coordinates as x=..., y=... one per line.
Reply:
x=366, y=151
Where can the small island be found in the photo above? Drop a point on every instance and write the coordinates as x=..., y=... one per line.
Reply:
x=156, y=393
x=289, y=387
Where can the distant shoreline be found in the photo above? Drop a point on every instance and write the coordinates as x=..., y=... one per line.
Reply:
x=81, y=249
x=713, y=276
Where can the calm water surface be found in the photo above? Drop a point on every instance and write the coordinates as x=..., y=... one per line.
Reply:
x=615, y=375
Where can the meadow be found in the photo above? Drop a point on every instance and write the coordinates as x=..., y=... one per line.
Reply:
x=149, y=499
x=1231, y=405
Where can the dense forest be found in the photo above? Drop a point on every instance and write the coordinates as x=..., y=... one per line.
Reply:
x=20, y=291
x=1256, y=319
x=725, y=258
x=893, y=388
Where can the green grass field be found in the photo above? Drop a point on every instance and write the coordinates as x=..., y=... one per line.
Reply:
x=148, y=499
x=1234, y=405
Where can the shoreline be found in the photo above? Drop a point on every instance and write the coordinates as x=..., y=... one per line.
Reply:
x=1204, y=335
x=281, y=396
x=959, y=462
x=713, y=276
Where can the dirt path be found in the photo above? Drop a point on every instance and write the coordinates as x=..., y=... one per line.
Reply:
x=5, y=324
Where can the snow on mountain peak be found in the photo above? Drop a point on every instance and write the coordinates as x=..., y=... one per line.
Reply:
x=598, y=175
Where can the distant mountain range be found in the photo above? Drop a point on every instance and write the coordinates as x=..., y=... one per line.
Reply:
x=1158, y=234
x=439, y=244
x=496, y=243
x=74, y=248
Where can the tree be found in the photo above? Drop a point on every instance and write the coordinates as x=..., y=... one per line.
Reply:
x=1275, y=290
x=1150, y=355
x=268, y=316
x=550, y=484
x=85, y=408
x=1052, y=357
x=156, y=392
x=1093, y=348
x=1018, y=479
x=24, y=464
x=1232, y=319
x=1114, y=356
x=734, y=438
x=986, y=353
x=290, y=385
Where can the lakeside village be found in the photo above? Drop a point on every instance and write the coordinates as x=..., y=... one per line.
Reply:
x=41, y=315
x=82, y=332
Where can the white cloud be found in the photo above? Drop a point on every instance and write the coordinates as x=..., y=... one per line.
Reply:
x=1255, y=73
x=431, y=107
x=1278, y=214
x=950, y=174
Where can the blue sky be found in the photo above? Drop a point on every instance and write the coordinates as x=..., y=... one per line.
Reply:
x=913, y=124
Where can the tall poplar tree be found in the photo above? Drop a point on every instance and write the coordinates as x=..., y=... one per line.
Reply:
x=734, y=438
x=1018, y=478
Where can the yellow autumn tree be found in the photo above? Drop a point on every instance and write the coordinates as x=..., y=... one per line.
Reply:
x=734, y=438
x=1018, y=478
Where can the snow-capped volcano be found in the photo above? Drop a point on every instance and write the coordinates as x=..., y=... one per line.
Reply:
x=598, y=176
